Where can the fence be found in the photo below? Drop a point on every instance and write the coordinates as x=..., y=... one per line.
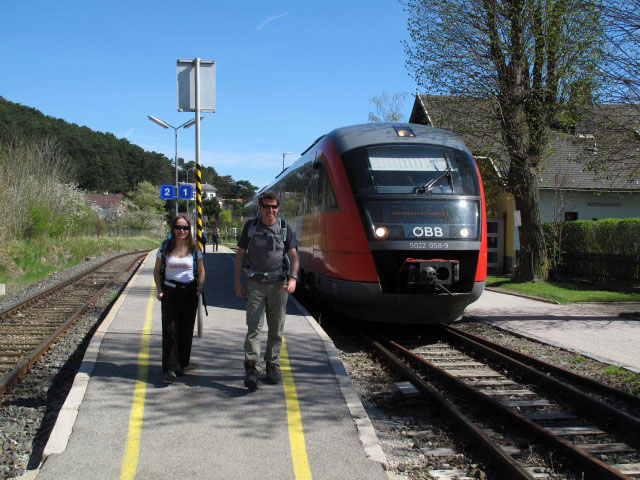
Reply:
x=600, y=268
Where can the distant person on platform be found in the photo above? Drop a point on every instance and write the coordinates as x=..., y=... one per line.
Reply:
x=264, y=243
x=205, y=239
x=179, y=277
x=215, y=236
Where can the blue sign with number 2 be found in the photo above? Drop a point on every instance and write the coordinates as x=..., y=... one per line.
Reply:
x=167, y=192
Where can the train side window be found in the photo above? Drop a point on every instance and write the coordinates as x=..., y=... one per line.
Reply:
x=279, y=188
x=327, y=194
x=315, y=189
x=288, y=198
x=305, y=189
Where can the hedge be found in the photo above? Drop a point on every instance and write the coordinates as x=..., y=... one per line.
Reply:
x=609, y=236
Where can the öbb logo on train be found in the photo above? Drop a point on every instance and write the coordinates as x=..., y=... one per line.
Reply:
x=427, y=232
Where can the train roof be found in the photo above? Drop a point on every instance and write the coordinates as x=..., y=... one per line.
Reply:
x=348, y=138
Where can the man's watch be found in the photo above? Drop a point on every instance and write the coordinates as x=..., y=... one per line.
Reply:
x=295, y=277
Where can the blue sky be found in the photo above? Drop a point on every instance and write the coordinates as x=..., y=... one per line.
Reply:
x=287, y=71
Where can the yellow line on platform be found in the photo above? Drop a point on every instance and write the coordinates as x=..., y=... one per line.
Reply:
x=294, y=419
x=132, y=449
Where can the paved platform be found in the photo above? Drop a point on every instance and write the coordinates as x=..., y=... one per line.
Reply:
x=121, y=421
x=592, y=330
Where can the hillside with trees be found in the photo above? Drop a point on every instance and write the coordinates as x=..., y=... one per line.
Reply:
x=100, y=161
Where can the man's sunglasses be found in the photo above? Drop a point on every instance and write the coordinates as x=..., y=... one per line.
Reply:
x=180, y=227
x=270, y=207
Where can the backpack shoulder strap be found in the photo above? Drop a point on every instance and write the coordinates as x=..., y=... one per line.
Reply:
x=195, y=265
x=253, y=227
x=283, y=233
x=163, y=253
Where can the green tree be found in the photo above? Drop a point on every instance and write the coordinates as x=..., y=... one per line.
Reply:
x=146, y=197
x=224, y=218
x=515, y=62
x=211, y=208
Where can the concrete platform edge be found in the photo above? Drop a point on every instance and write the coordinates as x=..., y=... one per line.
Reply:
x=554, y=344
x=367, y=434
x=63, y=427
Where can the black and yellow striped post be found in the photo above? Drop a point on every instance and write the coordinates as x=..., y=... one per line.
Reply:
x=199, y=237
x=199, y=206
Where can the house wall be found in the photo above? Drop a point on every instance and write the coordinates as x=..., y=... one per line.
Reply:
x=504, y=212
x=588, y=205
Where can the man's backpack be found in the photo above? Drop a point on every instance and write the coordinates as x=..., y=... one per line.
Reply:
x=286, y=264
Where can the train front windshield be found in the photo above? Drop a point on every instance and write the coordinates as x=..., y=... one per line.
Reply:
x=422, y=169
x=416, y=192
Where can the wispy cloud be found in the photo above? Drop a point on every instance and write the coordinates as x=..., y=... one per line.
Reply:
x=268, y=20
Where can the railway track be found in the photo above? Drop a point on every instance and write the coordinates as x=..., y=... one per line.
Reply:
x=517, y=409
x=30, y=327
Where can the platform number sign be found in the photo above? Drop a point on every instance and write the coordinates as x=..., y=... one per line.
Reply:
x=185, y=192
x=167, y=192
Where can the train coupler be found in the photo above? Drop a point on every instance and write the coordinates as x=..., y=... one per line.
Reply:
x=435, y=274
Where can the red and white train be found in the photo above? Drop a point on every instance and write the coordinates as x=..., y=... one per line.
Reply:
x=390, y=222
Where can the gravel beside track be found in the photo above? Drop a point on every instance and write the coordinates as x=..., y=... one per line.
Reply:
x=28, y=411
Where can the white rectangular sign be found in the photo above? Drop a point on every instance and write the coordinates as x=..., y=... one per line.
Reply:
x=187, y=85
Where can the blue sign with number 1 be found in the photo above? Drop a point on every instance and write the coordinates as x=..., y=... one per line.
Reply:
x=167, y=192
x=185, y=192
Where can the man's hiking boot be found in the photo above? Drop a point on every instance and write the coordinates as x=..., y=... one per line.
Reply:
x=273, y=373
x=250, y=375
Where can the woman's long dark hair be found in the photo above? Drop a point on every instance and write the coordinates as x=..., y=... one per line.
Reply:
x=172, y=239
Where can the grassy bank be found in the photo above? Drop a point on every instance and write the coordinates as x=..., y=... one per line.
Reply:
x=560, y=292
x=27, y=261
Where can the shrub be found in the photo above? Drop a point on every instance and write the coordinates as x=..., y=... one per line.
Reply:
x=608, y=236
x=38, y=198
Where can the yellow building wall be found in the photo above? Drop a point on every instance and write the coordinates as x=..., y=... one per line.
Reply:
x=505, y=208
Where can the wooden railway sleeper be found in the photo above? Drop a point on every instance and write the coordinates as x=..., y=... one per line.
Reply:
x=532, y=361
x=497, y=453
x=583, y=461
x=23, y=366
x=627, y=423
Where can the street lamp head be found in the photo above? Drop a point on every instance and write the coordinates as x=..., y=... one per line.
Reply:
x=158, y=121
x=190, y=123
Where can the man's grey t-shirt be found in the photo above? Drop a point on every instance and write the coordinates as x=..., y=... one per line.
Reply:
x=266, y=249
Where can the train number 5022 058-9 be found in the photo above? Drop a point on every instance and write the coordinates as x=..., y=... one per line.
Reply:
x=438, y=245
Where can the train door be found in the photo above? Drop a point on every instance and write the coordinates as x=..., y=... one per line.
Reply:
x=495, y=245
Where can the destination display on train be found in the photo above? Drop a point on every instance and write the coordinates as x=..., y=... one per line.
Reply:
x=425, y=219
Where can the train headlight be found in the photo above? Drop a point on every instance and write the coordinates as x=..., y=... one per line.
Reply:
x=465, y=232
x=404, y=132
x=381, y=232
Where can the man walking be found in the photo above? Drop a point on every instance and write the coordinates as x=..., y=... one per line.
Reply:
x=265, y=243
x=216, y=239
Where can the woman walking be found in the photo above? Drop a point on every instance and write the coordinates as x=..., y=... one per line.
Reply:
x=179, y=276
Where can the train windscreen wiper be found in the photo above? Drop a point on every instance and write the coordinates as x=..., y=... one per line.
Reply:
x=431, y=183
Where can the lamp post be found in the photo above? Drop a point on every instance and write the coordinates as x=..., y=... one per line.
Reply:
x=164, y=124
x=187, y=170
x=283, y=154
